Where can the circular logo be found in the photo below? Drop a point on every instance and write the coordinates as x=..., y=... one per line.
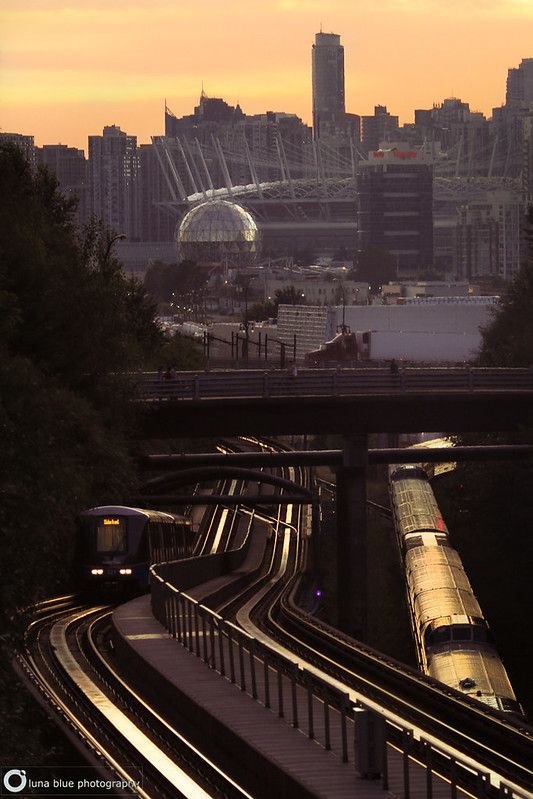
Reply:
x=15, y=780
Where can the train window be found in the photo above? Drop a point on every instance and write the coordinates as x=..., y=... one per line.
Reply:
x=480, y=633
x=462, y=633
x=110, y=535
x=441, y=635
x=143, y=551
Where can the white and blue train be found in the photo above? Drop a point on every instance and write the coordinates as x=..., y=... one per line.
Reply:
x=115, y=546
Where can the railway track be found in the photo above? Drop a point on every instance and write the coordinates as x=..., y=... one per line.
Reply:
x=68, y=640
x=67, y=661
x=501, y=746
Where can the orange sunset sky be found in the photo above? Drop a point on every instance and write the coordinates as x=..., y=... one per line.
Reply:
x=70, y=67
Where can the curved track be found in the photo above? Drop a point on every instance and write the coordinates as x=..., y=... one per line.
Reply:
x=66, y=660
x=471, y=732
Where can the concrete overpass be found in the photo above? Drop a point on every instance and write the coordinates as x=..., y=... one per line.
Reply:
x=350, y=402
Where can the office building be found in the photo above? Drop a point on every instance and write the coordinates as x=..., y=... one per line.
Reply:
x=377, y=129
x=395, y=208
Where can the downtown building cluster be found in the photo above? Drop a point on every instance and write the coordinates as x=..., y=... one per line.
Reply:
x=409, y=187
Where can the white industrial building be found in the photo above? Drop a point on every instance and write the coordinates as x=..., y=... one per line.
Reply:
x=424, y=331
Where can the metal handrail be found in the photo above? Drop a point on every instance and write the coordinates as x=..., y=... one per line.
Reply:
x=255, y=383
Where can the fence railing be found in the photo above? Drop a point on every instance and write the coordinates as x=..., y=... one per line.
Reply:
x=331, y=382
x=316, y=707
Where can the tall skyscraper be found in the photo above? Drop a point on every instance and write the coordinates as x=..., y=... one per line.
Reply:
x=113, y=179
x=328, y=83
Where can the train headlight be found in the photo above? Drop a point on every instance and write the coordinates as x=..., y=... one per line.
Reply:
x=125, y=571
x=97, y=571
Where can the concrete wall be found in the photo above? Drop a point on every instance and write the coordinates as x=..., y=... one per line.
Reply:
x=446, y=318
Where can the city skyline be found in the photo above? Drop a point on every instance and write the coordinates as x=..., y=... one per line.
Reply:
x=68, y=70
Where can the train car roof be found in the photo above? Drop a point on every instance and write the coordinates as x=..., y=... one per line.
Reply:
x=440, y=606
x=432, y=443
x=484, y=667
x=123, y=510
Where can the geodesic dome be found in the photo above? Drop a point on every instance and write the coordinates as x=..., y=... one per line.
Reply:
x=218, y=230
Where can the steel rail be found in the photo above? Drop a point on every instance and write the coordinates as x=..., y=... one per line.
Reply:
x=129, y=734
x=63, y=710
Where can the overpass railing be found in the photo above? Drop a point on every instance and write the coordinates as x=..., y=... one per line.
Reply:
x=331, y=382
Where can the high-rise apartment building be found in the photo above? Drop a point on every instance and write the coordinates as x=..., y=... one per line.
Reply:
x=395, y=207
x=489, y=236
x=328, y=83
x=527, y=161
x=113, y=180
x=70, y=167
x=510, y=125
x=25, y=143
x=157, y=217
x=520, y=83
x=456, y=130
x=262, y=138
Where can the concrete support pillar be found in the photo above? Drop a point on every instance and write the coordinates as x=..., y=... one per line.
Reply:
x=352, y=537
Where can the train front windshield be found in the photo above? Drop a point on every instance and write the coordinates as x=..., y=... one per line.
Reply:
x=110, y=536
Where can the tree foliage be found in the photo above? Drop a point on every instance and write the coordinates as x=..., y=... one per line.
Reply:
x=374, y=264
x=174, y=282
x=72, y=328
x=269, y=309
x=71, y=310
x=288, y=296
x=508, y=339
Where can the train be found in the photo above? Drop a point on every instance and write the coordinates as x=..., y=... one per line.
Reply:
x=453, y=640
x=115, y=546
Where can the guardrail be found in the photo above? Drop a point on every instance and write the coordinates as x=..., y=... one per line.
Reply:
x=331, y=382
x=273, y=680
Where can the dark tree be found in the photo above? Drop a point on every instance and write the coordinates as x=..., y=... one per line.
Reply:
x=374, y=264
x=161, y=281
x=73, y=312
x=71, y=325
x=288, y=296
x=508, y=339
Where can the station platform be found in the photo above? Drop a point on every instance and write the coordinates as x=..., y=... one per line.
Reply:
x=261, y=751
